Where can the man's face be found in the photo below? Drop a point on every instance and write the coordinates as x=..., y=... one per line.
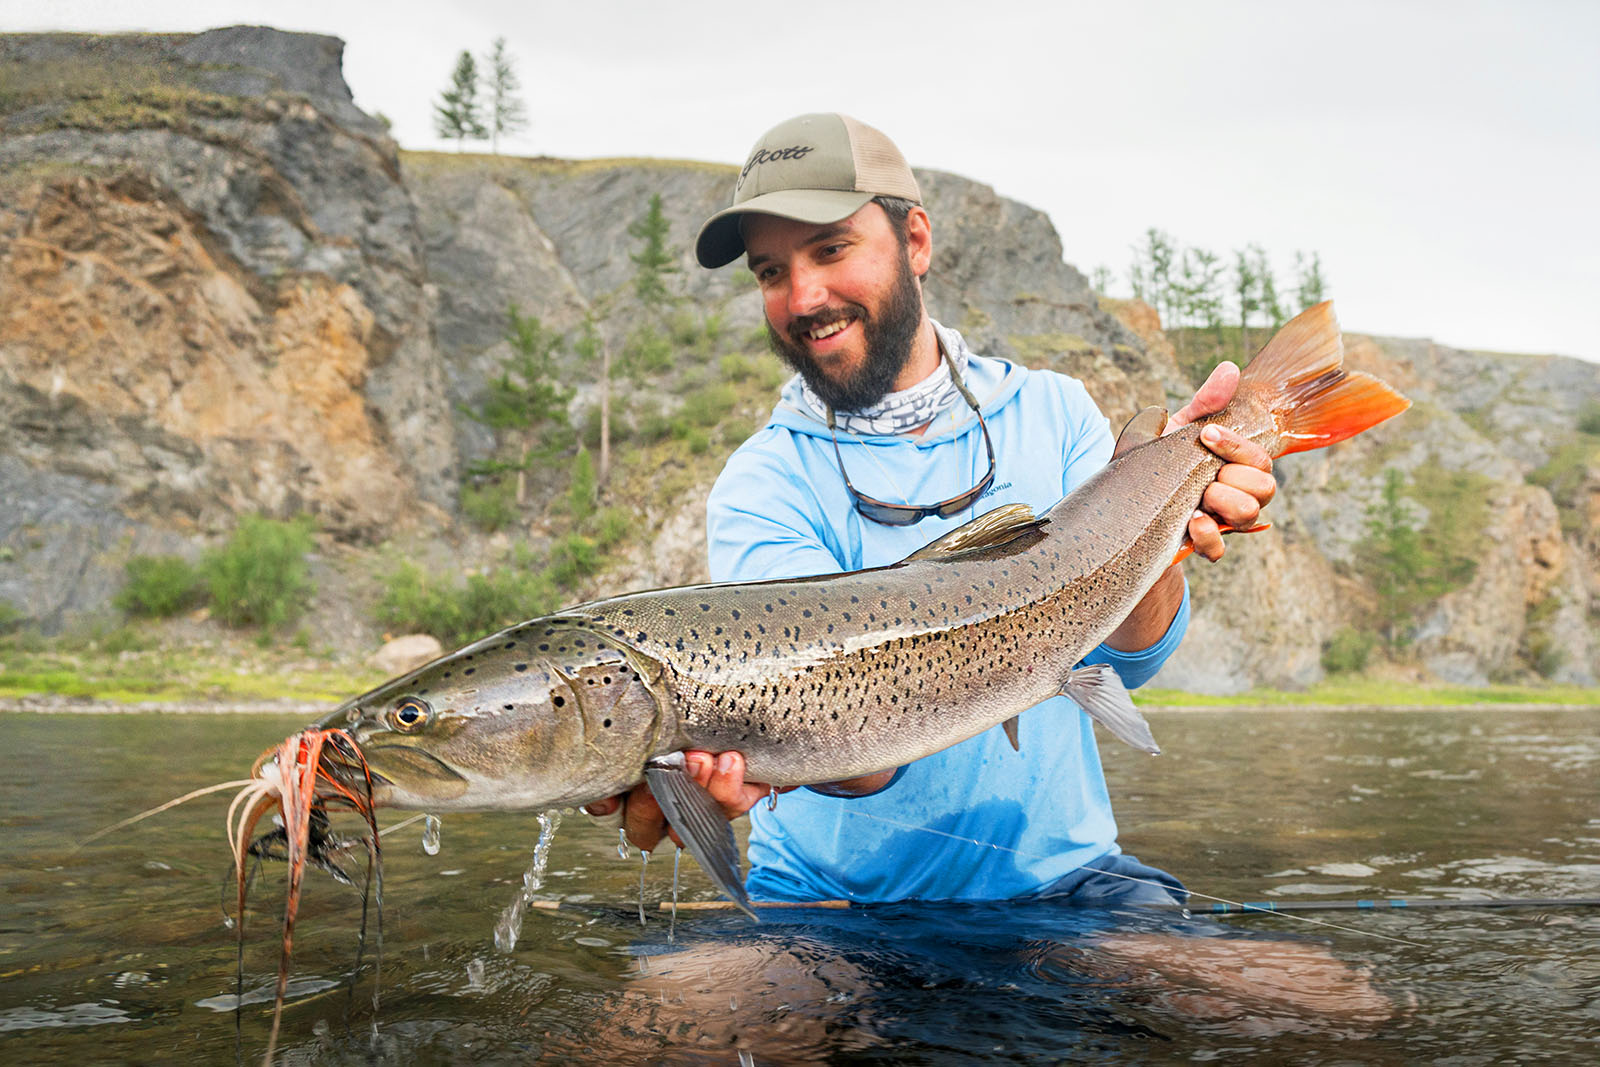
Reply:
x=842, y=302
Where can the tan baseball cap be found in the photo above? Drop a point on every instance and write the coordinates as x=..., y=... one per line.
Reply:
x=814, y=168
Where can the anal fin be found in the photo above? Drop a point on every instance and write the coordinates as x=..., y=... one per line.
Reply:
x=1097, y=689
x=1186, y=549
x=699, y=821
x=1010, y=727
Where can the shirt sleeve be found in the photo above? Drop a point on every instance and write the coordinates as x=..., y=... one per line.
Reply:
x=759, y=524
x=1137, y=668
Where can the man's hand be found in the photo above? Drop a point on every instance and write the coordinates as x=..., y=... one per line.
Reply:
x=1245, y=483
x=1242, y=488
x=721, y=775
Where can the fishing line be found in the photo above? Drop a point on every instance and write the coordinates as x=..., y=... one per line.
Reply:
x=1128, y=877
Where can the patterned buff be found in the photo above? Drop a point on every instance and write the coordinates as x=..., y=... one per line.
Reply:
x=909, y=408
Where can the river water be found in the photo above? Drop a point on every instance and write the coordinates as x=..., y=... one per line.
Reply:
x=118, y=953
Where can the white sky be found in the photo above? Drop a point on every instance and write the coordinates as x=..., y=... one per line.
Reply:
x=1443, y=157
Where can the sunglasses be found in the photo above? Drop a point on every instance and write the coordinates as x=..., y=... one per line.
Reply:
x=906, y=514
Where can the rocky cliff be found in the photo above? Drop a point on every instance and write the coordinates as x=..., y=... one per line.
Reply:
x=223, y=290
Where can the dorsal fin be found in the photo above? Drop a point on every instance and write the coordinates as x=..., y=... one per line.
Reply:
x=1141, y=429
x=990, y=530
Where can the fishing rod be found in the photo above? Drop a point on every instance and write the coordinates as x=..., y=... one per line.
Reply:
x=1391, y=904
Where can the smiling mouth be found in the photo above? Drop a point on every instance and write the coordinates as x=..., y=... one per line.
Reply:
x=820, y=332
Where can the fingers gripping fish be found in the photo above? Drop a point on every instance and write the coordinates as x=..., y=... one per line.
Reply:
x=825, y=678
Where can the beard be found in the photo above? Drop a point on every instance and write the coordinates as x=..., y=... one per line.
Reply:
x=888, y=336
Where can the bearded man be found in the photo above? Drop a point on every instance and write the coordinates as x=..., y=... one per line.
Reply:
x=889, y=407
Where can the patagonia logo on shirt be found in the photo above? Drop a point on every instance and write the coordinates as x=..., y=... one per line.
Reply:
x=763, y=155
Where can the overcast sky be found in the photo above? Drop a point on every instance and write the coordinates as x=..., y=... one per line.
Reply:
x=1442, y=157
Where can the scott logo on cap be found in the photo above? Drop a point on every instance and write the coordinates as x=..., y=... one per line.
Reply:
x=763, y=155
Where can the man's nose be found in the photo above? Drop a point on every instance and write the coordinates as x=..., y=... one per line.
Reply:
x=808, y=290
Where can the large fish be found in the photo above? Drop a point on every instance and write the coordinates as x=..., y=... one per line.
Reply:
x=825, y=678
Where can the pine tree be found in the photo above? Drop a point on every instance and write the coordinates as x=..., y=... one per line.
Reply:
x=527, y=398
x=655, y=258
x=1311, y=287
x=1245, y=289
x=1395, y=559
x=458, y=113
x=507, y=113
x=1267, y=288
x=1152, y=273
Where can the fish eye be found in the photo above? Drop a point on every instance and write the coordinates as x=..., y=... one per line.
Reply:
x=410, y=715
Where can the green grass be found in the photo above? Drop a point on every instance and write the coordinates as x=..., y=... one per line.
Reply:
x=1374, y=691
x=168, y=676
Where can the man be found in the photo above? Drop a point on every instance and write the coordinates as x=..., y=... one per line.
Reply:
x=891, y=408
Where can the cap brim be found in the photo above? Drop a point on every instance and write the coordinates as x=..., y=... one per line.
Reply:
x=720, y=241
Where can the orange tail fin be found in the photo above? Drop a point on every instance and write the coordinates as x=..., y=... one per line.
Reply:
x=1300, y=376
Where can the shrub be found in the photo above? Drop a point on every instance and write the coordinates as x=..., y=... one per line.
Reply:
x=490, y=505
x=260, y=577
x=572, y=559
x=1347, y=651
x=736, y=367
x=414, y=603
x=612, y=526
x=581, y=494
x=1589, y=420
x=159, y=586
x=707, y=407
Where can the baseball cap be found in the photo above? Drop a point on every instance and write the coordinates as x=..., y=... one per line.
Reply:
x=814, y=168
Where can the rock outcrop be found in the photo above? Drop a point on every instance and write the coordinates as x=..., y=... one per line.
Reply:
x=212, y=301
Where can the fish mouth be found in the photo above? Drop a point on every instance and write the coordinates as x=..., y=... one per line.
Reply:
x=410, y=771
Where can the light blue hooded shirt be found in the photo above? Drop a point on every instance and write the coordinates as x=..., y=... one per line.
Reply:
x=780, y=510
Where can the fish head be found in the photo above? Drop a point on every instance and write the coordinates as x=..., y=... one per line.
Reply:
x=550, y=713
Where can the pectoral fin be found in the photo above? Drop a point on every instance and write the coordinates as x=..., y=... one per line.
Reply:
x=697, y=817
x=1096, y=689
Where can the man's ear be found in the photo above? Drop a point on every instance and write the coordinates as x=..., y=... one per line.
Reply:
x=919, y=241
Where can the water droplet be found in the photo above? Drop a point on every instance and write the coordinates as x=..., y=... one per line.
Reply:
x=430, y=834
x=622, y=843
x=672, y=925
x=746, y=1058
x=509, y=928
x=644, y=863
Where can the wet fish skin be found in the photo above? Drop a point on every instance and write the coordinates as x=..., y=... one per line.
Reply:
x=823, y=678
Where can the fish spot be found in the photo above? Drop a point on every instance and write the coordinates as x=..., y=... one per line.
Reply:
x=509, y=707
x=510, y=645
x=669, y=611
x=469, y=670
x=544, y=648
x=559, y=701
x=736, y=613
x=519, y=668
x=606, y=723
x=705, y=607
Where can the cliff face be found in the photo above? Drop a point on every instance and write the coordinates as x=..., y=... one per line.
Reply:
x=222, y=290
x=212, y=301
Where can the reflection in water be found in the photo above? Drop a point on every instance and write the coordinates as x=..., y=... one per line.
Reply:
x=114, y=953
